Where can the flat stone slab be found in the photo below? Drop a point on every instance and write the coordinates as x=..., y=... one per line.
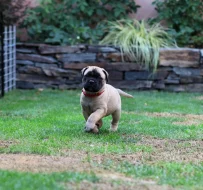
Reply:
x=145, y=75
x=101, y=49
x=172, y=78
x=30, y=70
x=132, y=85
x=35, y=58
x=45, y=65
x=24, y=62
x=40, y=79
x=179, y=57
x=187, y=72
x=24, y=85
x=77, y=57
x=47, y=49
x=58, y=72
x=25, y=50
x=79, y=66
x=127, y=66
x=115, y=75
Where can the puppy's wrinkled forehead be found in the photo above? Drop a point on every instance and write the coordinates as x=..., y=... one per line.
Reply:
x=94, y=72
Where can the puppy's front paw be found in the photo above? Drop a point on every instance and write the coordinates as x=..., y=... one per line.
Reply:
x=87, y=129
x=94, y=130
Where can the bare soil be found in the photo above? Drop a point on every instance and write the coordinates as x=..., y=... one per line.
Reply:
x=108, y=184
x=78, y=162
x=200, y=97
x=185, y=119
x=185, y=151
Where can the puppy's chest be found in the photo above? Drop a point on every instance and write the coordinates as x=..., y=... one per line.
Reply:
x=88, y=105
x=91, y=106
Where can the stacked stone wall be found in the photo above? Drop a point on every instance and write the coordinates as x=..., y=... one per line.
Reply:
x=59, y=67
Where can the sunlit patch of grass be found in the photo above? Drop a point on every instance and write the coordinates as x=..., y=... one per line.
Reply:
x=55, y=181
x=175, y=174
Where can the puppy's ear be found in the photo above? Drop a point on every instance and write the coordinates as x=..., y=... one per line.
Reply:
x=106, y=74
x=83, y=70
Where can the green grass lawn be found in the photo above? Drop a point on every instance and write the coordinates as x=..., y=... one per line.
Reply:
x=159, y=141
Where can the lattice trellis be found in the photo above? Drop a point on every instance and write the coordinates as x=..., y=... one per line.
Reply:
x=9, y=58
x=8, y=62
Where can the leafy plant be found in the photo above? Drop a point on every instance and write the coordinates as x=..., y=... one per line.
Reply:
x=12, y=10
x=185, y=17
x=74, y=21
x=139, y=41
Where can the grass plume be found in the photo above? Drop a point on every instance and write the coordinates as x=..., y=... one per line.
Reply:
x=138, y=41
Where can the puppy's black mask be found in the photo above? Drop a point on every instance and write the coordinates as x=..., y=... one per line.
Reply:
x=92, y=81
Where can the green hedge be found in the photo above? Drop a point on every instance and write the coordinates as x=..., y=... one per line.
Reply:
x=74, y=21
x=185, y=17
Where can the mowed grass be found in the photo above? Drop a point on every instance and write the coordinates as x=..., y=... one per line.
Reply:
x=50, y=123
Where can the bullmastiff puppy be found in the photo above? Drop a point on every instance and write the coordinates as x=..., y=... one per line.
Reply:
x=99, y=99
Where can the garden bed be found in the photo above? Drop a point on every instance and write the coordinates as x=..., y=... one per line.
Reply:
x=58, y=67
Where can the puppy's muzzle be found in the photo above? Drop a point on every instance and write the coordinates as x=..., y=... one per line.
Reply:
x=91, y=85
x=91, y=82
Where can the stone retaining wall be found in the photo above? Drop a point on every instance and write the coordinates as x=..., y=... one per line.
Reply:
x=45, y=66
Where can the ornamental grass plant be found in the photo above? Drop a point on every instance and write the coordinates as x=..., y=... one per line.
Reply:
x=138, y=41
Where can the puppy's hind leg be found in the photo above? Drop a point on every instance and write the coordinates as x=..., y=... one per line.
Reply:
x=115, y=119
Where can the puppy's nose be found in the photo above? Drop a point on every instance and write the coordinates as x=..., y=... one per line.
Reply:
x=91, y=81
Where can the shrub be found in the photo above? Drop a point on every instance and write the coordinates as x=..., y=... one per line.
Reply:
x=74, y=21
x=139, y=41
x=185, y=17
x=12, y=11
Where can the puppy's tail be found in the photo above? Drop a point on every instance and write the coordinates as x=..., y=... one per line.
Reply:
x=122, y=93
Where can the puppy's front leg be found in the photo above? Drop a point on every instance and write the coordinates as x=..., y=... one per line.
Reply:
x=93, y=119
